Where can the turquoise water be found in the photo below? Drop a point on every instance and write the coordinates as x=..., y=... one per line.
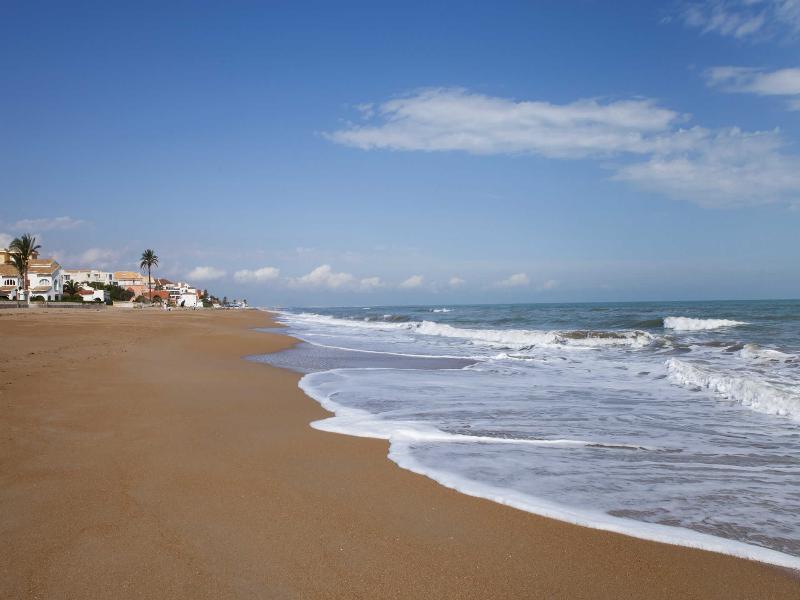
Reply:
x=670, y=421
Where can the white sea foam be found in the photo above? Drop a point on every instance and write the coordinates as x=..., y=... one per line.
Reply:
x=523, y=338
x=516, y=339
x=690, y=324
x=746, y=389
x=441, y=310
x=400, y=453
x=759, y=353
x=403, y=435
x=609, y=436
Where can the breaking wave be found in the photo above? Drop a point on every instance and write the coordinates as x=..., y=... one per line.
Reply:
x=515, y=339
x=689, y=324
x=763, y=396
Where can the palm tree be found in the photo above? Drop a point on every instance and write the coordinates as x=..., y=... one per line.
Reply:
x=71, y=288
x=20, y=266
x=24, y=249
x=148, y=261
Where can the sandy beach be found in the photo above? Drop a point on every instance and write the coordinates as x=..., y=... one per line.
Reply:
x=142, y=457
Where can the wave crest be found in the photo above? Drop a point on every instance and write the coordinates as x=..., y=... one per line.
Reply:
x=690, y=324
x=516, y=339
x=770, y=398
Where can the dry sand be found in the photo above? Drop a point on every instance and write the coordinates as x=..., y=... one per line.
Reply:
x=141, y=457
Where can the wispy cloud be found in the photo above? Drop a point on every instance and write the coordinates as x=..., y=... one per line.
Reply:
x=456, y=281
x=711, y=167
x=37, y=225
x=549, y=285
x=761, y=82
x=262, y=275
x=744, y=19
x=205, y=274
x=454, y=119
x=91, y=258
x=515, y=280
x=727, y=168
x=369, y=284
x=412, y=282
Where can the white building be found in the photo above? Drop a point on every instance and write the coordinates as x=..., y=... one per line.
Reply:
x=44, y=279
x=93, y=295
x=181, y=293
x=87, y=276
x=9, y=282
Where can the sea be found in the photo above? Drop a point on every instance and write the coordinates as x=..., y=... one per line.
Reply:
x=671, y=421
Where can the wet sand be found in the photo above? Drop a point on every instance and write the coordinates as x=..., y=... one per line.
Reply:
x=141, y=457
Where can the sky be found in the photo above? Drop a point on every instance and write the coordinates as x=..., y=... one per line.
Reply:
x=368, y=153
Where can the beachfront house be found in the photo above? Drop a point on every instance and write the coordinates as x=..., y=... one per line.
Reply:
x=132, y=281
x=93, y=295
x=44, y=278
x=181, y=293
x=9, y=282
x=88, y=276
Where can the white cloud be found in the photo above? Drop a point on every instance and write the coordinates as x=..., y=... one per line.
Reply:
x=91, y=258
x=454, y=119
x=516, y=280
x=369, y=284
x=412, y=282
x=323, y=276
x=261, y=275
x=747, y=80
x=550, y=284
x=744, y=19
x=456, y=281
x=720, y=168
x=57, y=223
x=5, y=240
x=99, y=257
x=205, y=273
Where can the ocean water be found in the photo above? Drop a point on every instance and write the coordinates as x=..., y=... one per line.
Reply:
x=678, y=422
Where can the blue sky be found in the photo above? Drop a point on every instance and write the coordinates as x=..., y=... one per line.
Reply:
x=366, y=153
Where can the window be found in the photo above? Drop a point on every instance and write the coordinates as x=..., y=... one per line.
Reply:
x=10, y=282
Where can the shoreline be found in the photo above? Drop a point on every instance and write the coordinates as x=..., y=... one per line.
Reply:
x=340, y=423
x=143, y=456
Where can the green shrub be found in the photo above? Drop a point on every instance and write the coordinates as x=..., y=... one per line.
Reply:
x=118, y=293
